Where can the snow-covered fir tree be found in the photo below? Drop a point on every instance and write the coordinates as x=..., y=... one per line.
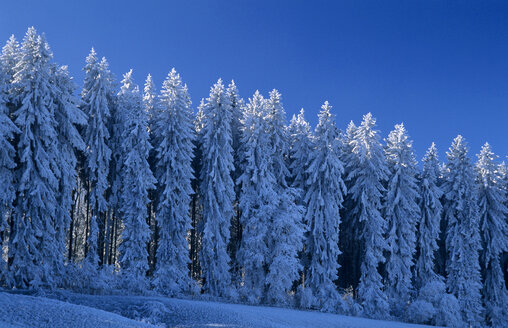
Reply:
x=217, y=191
x=367, y=175
x=69, y=118
x=258, y=198
x=349, y=234
x=34, y=247
x=324, y=197
x=286, y=228
x=401, y=212
x=236, y=105
x=7, y=165
x=463, y=232
x=493, y=215
x=300, y=145
x=137, y=179
x=9, y=58
x=430, y=218
x=96, y=96
x=175, y=132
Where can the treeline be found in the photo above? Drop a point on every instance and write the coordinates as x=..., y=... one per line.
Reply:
x=118, y=188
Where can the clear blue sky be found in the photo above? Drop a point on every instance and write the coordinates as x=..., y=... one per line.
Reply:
x=441, y=67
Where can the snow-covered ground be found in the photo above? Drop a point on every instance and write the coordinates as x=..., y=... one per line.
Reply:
x=77, y=310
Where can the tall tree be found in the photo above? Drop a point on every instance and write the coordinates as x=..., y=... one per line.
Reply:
x=258, y=198
x=217, y=191
x=463, y=236
x=69, y=117
x=430, y=218
x=349, y=234
x=7, y=164
x=494, y=232
x=34, y=247
x=286, y=228
x=151, y=105
x=175, y=131
x=367, y=175
x=325, y=193
x=137, y=179
x=96, y=95
x=9, y=57
x=401, y=213
x=300, y=140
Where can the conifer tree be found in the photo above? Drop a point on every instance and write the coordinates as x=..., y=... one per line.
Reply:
x=137, y=179
x=493, y=215
x=401, y=213
x=69, y=118
x=325, y=193
x=217, y=191
x=367, y=175
x=175, y=132
x=349, y=234
x=96, y=95
x=236, y=104
x=300, y=137
x=285, y=238
x=9, y=58
x=34, y=246
x=463, y=237
x=430, y=217
x=258, y=198
x=7, y=165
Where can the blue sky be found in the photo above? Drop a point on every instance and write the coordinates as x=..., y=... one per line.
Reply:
x=441, y=67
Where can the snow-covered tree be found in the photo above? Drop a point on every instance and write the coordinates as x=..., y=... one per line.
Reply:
x=258, y=198
x=430, y=218
x=236, y=105
x=175, y=132
x=367, y=175
x=463, y=240
x=9, y=57
x=7, y=164
x=137, y=179
x=401, y=213
x=217, y=191
x=493, y=215
x=349, y=234
x=325, y=193
x=69, y=117
x=96, y=96
x=286, y=229
x=34, y=246
x=300, y=137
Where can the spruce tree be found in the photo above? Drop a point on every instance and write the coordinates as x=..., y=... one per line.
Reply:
x=236, y=105
x=137, y=179
x=463, y=236
x=258, y=198
x=493, y=215
x=217, y=191
x=175, y=132
x=7, y=164
x=300, y=140
x=367, y=174
x=401, y=213
x=69, y=118
x=34, y=246
x=9, y=58
x=324, y=197
x=96, y=96
x=430, y=218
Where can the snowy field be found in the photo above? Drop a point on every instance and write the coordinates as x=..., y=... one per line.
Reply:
x=76, y=310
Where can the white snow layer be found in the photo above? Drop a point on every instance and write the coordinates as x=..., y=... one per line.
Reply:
x=139, y=311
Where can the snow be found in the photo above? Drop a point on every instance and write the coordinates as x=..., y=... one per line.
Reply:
x=77, y=310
